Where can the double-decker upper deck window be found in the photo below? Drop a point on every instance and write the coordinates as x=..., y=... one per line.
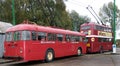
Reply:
x=41, y=36
x=8, y=36
x=59, y=37
x=109, y=29
x=16, y=35
x=51, y=37
x=99, y=28
x=25, y=35
x=85, y=27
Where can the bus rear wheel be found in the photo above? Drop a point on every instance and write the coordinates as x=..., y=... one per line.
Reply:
x=49, y=56
x=79, y=52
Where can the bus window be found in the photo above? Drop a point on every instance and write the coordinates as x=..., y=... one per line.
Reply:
x=41, y=36
x=85, y=27
x=51, y=37
x=78, y=38
x=73, y=38
x=16, y=35
x=109, y=30
x=102, y=39
x=86, y=39
x=8, y=36
x=25, y=35
x=59, y=37
x=34, y=35
x=67, y=38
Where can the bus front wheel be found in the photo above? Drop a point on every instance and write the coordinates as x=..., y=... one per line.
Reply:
x=79, y=52
x=49, y=56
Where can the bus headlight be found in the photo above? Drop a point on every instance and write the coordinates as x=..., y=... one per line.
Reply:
x=93, y=39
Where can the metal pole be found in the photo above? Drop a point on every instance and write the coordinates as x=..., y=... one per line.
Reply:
x=114, y=26
x=13, y=12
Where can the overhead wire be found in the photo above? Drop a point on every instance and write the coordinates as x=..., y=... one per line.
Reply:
x=87, y=6
x=96, y=14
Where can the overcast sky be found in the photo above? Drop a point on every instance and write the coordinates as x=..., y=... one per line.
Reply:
x=80, y=6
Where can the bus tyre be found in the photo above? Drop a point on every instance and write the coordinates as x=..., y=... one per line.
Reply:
x=49, y=56
x=79, y=52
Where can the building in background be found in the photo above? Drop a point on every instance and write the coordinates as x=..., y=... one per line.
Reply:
x=3, y=28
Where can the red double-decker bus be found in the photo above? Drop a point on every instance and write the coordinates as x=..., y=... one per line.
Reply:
x=99, y=37
x=32, y=42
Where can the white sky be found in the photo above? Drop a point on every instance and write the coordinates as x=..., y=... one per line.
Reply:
x=80, y=6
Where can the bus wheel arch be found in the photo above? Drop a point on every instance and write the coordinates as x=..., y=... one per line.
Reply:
x=79, y=51
x=49, y=55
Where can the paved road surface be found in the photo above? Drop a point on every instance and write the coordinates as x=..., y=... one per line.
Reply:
x=106, y=59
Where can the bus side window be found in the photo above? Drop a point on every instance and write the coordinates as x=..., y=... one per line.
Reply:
x=51, y=37
x=72, y=38
x=41, y=36
x=59, y=37
x=77, y=38
x=81, y=38
x=85, y=39
x=67, y=38
x=25, y=35
x=33, y=35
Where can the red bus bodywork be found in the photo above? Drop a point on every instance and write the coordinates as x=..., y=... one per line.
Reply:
x=30, y=50
x=99, y=37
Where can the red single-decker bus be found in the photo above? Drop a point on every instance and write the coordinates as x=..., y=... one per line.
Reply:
x=32, y=42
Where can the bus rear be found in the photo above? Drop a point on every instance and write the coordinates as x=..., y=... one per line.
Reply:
x=14, y=45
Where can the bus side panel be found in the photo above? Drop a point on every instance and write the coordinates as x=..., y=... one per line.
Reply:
x=75, y=47
x=107, y=46
x=34, y=51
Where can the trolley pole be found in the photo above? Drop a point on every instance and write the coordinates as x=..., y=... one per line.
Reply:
x=13, y=12
x=114, y=26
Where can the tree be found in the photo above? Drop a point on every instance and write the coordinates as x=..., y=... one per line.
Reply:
x=77, y=20
x=107, y=13
x=43, y=12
